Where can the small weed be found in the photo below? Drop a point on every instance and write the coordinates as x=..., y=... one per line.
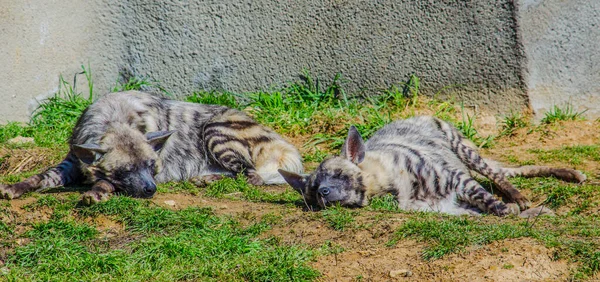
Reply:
x=511, y=122
x=508, y=266
x=339, y=218
x=178, y=187
x=385, y=203
x=556, y=114
x=129, y=82
x=316, y=156
x=330, y=248
x=216, y=98
x=467, y=127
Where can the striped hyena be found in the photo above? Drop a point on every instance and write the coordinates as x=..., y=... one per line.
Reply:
x=425, y=162
x=129, y=141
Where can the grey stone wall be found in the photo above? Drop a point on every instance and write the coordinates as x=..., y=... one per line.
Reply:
x=474, y=48
x=40, y=40
x=562, y=44
x=249, y=45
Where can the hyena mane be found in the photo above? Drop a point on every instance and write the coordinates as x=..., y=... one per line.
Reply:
x=129, y=141
x=426, y=164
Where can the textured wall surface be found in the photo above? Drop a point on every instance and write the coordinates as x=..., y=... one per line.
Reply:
x=562, y=44
x=249, y=45
x=471, y=46
x=40, y=40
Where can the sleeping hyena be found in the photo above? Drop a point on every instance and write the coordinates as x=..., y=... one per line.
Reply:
x=129, y=141
x=426, y=163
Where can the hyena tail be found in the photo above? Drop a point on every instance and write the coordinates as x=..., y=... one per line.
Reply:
x=65, y=173
x=278, y=155
x=565, y=174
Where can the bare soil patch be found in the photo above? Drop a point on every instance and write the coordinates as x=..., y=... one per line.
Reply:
x=555, y=136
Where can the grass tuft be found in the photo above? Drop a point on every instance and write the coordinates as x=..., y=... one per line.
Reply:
x=512, y=122
x=339, y=218
x=561, y=114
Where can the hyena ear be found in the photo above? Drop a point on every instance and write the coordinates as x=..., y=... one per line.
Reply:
x=88, y=153
x=354, y=147
x=297, y=181
x=158, y=138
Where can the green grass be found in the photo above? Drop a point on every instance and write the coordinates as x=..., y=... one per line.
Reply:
x=385, y=203
x=574, y=155
x=557, y=193
x=236, y=188
x=467, y=127
x=189, y=244
x=339, y=218
x=512, y=122
x=453, y=234
x=445, y=235
x=557, y=113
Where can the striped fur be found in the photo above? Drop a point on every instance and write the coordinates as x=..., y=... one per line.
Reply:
x=425, y=162
x=129, y=141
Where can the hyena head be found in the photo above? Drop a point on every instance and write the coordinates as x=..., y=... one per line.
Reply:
x=337, y=180
x=126, y=158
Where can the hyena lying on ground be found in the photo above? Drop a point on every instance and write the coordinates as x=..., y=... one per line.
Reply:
x=425, y=162
x=128, y=141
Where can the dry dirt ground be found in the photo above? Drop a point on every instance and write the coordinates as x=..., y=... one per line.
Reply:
x=365, y=256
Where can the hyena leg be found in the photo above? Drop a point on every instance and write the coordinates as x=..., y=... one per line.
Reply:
x=470, y=191
x=470, y=157
x=204, y=180
x=101, y=191
x=229, y=144
x=63, y=174
x=565, y=174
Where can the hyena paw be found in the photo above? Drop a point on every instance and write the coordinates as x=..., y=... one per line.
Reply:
x=537, y=211
x=254, y=178
x=204, y=180
x=570, y=175
x=513, y=208
x=8, y=192
x=93, y=197
x=520, y=200
x=499, y=209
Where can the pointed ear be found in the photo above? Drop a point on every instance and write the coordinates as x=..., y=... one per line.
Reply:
x=354, y=147
x=88, y=153
x=158, y=138
x=297, y=181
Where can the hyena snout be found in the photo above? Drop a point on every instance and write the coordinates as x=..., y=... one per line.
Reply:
x=149, y=189
x=139, y=185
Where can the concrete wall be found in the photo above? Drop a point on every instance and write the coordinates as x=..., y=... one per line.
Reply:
x=473, y=46
x=562, y=45
x=249, y=45
x=39, y=40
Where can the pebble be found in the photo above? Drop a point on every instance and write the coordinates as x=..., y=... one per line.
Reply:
x=400, y=273
x=20, y=140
